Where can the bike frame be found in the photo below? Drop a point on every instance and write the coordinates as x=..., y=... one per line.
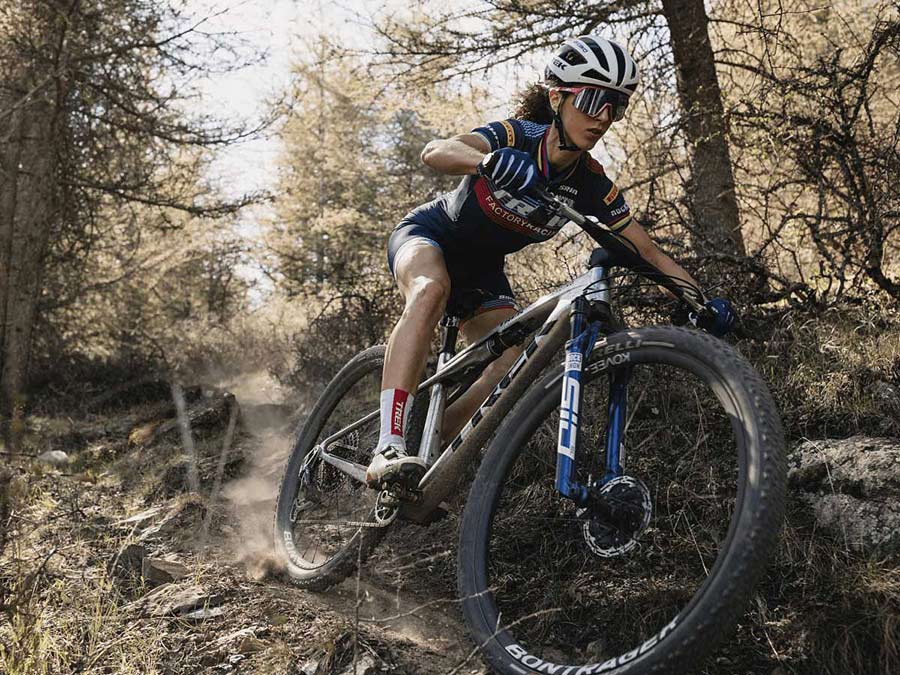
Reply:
x=581, y=310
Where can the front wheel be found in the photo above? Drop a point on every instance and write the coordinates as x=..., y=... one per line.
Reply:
x=702, y=438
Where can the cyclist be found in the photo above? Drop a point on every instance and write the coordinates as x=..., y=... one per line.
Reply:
x=459, y=241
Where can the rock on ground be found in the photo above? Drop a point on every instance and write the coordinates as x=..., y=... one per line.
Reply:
x=158, y=571
x=174, y=600
x=852, y=486
x=53, y=458
x=366, y=665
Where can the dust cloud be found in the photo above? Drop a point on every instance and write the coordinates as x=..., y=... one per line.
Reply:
x=250, y=500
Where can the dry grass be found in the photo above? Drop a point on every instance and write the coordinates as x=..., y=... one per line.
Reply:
x=64, y=607
x=823, y=369
x=822, y=609
x=826, y=609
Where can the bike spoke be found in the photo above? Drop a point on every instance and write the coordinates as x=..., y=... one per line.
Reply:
x=328, y=516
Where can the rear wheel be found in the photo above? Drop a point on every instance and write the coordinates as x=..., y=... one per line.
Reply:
x=553, y=588
x=324, y=519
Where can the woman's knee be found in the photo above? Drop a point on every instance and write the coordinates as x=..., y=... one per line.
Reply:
x=423, y=280
x=428, y=294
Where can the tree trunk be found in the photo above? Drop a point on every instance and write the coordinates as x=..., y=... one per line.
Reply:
x=711, y=193
x=27, y=198
x=10, y=152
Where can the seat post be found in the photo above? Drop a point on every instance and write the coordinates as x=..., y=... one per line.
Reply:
x=449, y=334
x=431, y=434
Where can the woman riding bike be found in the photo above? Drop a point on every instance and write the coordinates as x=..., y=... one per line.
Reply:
x=458, y=242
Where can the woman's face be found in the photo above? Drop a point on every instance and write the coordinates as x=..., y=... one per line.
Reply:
x=581, y=130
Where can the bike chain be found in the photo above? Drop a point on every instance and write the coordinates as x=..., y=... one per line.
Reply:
x=357, y=523
x=347, y=523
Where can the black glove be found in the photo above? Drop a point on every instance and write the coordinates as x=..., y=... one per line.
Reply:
x=512, y=170
x=719, y=321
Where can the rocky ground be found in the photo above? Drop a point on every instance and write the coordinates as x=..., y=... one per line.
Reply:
x=113, y=564
x=121, y=554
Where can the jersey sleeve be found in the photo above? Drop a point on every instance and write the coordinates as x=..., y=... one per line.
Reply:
x=609, y=204
x=502, y=134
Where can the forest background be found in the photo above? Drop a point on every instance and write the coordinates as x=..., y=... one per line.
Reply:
x=761, y=152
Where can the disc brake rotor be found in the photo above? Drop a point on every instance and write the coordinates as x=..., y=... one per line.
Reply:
x=625, y=505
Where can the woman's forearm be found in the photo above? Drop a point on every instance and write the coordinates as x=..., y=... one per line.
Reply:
x=452, y=156
x=650, y=252
x=668, y=266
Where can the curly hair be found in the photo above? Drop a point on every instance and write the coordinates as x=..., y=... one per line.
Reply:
x=533, y=104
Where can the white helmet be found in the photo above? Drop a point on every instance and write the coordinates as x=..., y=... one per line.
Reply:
x=593, y=60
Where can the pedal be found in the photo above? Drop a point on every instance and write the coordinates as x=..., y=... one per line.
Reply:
x=405, y=479
x=403, y=493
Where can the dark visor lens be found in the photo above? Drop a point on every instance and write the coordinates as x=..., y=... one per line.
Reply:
x=592, y=101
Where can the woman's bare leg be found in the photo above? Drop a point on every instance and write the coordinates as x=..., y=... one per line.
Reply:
x=423, y=280
x=425, y=285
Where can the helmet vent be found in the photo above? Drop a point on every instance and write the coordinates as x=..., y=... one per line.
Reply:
x=572, y=57
x=620, y=62
x=598, y=52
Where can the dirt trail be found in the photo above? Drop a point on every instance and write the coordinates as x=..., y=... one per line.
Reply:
x=404, y=609
x=417, y=637
x=186, y=583
x=424, y=622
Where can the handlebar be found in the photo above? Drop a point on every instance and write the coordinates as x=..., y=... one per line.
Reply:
x=609, y=240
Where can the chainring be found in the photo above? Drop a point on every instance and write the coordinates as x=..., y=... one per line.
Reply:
x=387, y=506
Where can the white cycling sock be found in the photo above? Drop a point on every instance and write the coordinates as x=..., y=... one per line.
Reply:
x=395, y=407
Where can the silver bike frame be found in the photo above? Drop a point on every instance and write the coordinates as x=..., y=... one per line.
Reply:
x=550, y=313
x=554, y=311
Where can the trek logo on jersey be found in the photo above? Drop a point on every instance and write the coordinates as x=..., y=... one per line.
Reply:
x=611, y=195
x=512, y=213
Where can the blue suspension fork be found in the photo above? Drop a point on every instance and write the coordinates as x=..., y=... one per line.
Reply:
x=615, y=416
x=578, y=349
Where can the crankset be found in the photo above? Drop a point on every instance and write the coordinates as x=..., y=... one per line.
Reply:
x=391, y=497
x=618, y=513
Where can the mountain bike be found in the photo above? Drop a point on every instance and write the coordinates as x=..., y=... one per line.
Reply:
x=630, y=495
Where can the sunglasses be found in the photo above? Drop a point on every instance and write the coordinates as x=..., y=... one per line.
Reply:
x=593, y=101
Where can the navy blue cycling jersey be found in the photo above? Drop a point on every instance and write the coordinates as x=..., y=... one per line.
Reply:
x=495, y=222
x=477, y=224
